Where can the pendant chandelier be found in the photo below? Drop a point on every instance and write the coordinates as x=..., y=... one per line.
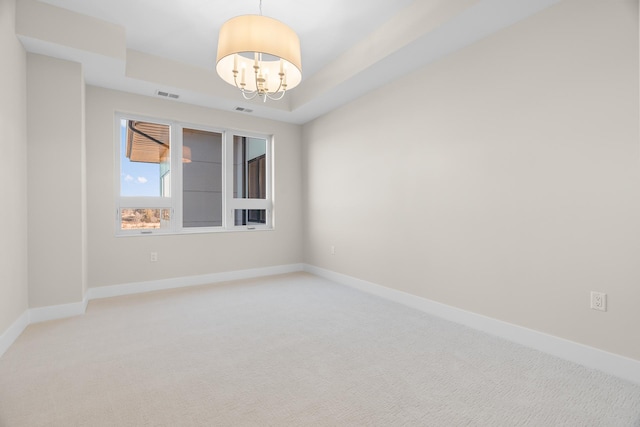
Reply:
x=259, y=55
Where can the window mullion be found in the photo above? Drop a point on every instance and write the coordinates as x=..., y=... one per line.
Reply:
x=228, y=177
x=176, y=177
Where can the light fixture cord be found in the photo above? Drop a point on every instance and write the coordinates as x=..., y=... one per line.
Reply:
x=260, y=7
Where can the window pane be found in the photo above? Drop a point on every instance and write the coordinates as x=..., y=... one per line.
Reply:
x=250, y=216
x=144, y=159
x=202, y=178
x=249, y=168
x=144, y=219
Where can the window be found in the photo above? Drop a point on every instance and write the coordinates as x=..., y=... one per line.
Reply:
x=249, y=177
x=177, y=178
x=202, y=179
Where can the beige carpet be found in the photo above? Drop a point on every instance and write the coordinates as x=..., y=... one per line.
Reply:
x=292, y=350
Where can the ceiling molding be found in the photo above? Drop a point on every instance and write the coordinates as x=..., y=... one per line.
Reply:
x=418, y=34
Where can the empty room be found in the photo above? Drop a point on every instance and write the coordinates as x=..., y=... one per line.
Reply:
x=334, y=213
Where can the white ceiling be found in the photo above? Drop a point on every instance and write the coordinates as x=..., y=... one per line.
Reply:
x=187, y=32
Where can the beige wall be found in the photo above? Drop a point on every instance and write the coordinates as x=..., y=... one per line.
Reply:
x=503, y=179
x=13, y=173
x=55, y=108
x=116, y=260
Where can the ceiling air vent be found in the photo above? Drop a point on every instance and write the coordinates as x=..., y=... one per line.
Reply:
x=244, y=110
x=167, y=94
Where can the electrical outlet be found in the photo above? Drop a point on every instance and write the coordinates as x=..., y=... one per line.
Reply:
x=154, y=256
x=598, y=301
x=332, y=250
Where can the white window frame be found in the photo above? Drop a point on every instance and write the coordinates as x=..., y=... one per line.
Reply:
x=174, y=202
x=233, y=203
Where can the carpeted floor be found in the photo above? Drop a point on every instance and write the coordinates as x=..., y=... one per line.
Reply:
x=292, y=350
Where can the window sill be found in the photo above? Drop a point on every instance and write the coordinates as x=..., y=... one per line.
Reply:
x=193, y=232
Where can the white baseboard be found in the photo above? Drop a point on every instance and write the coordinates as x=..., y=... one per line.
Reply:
x=85, y=301
x=42, y=314
x=181, y=282
x=13, y=332
x=620, y=366
x=613, y=364
x=52, y=312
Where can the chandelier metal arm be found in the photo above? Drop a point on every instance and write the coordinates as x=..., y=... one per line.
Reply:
x=261, y=88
